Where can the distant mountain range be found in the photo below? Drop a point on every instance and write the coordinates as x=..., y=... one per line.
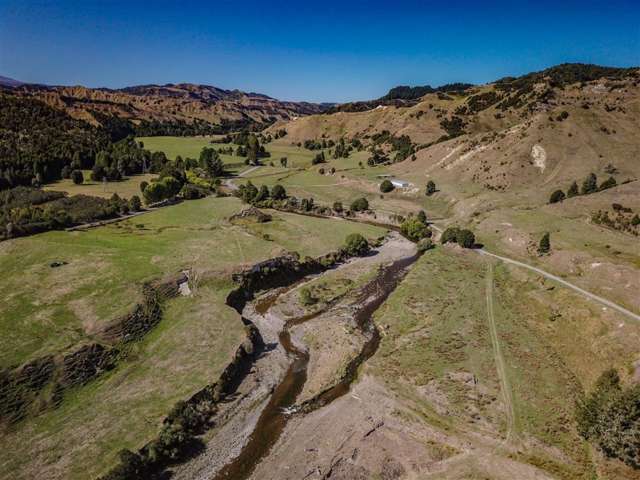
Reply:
x=165, y=107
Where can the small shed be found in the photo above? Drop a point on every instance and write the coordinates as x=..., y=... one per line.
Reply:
x=400, y=183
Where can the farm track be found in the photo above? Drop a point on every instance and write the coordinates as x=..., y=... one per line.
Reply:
x=505, y=387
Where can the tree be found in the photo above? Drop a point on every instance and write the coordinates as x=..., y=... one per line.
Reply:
x=465, y=238
x=356, y=245
x=143, y=185
x=573, y=190
x=431, y=188
x=263, y=194
x=283, y=162
x=414, y=229
x=360, y=205
x=545, y=244
x=135, y=204
x=635, y=220
x=337, y=207
x=386, y=186
x=590, y=184
x=319, y=158
x=210, y=162
x=608, y=183
x=154, y=192
x=278, y=192
x=422, y=216
x=98, y=173
x=557, y=196
x=77, y=177
x=450, y=235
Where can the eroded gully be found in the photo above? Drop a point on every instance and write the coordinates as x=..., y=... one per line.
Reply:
x=282, y=403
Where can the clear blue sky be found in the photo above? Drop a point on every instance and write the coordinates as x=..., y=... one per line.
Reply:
x=316, y=51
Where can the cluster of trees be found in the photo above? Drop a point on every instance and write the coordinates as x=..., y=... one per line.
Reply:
x=479, y=102
x=37, y=142
x=249, y=146
x=610, y=417
x=249, y=193
x=589, y=185
x=405, y=92
x=26, y=210
x=402, y=145
x=416, y=228
x=463, y=237
x=454, y=127
x=180, y=128
x=622, y=219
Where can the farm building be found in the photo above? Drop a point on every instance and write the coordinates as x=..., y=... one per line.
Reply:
x=400, y=183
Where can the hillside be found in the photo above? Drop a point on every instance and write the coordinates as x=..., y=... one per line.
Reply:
x=172, y=106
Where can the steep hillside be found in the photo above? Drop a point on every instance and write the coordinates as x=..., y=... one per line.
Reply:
x=543, y=129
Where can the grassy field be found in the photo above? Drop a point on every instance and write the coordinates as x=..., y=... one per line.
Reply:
x=437, y=354
x=126, y=188
x=48, y=310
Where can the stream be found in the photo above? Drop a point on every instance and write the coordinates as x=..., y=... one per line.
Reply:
x=282, y=403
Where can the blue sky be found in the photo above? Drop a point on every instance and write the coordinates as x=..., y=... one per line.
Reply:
x=316, y=51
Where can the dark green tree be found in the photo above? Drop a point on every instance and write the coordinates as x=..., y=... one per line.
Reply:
x=386, y=186
x=590, y=184
x=77, y=177
x=545, y=244
x=465, y=238
x=557, y=196
x=608, y=183
x=211, y=163
x=573, y=190
x=360, y=205
x=431, y=188
x=356, y=245
x=278, y=192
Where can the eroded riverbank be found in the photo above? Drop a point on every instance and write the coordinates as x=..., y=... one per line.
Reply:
x=254, y=419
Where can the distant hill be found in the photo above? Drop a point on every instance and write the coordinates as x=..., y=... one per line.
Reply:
x=538, y=131
x=9, y=82
x=171, y=109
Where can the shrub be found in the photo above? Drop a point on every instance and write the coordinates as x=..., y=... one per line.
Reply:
x=77, y=177
x=192, y=192
x=360, y=205
x=143, y=185
x=425, y=244
x=337, y=206
x=356, y=245
x=386, y=186
x=306, y=298
x=545, y=244
x=557, y=196
x=430, y=189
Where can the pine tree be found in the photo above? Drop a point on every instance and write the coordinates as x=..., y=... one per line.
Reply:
x=590, y=184
x=545, y=244
x=573, y=190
